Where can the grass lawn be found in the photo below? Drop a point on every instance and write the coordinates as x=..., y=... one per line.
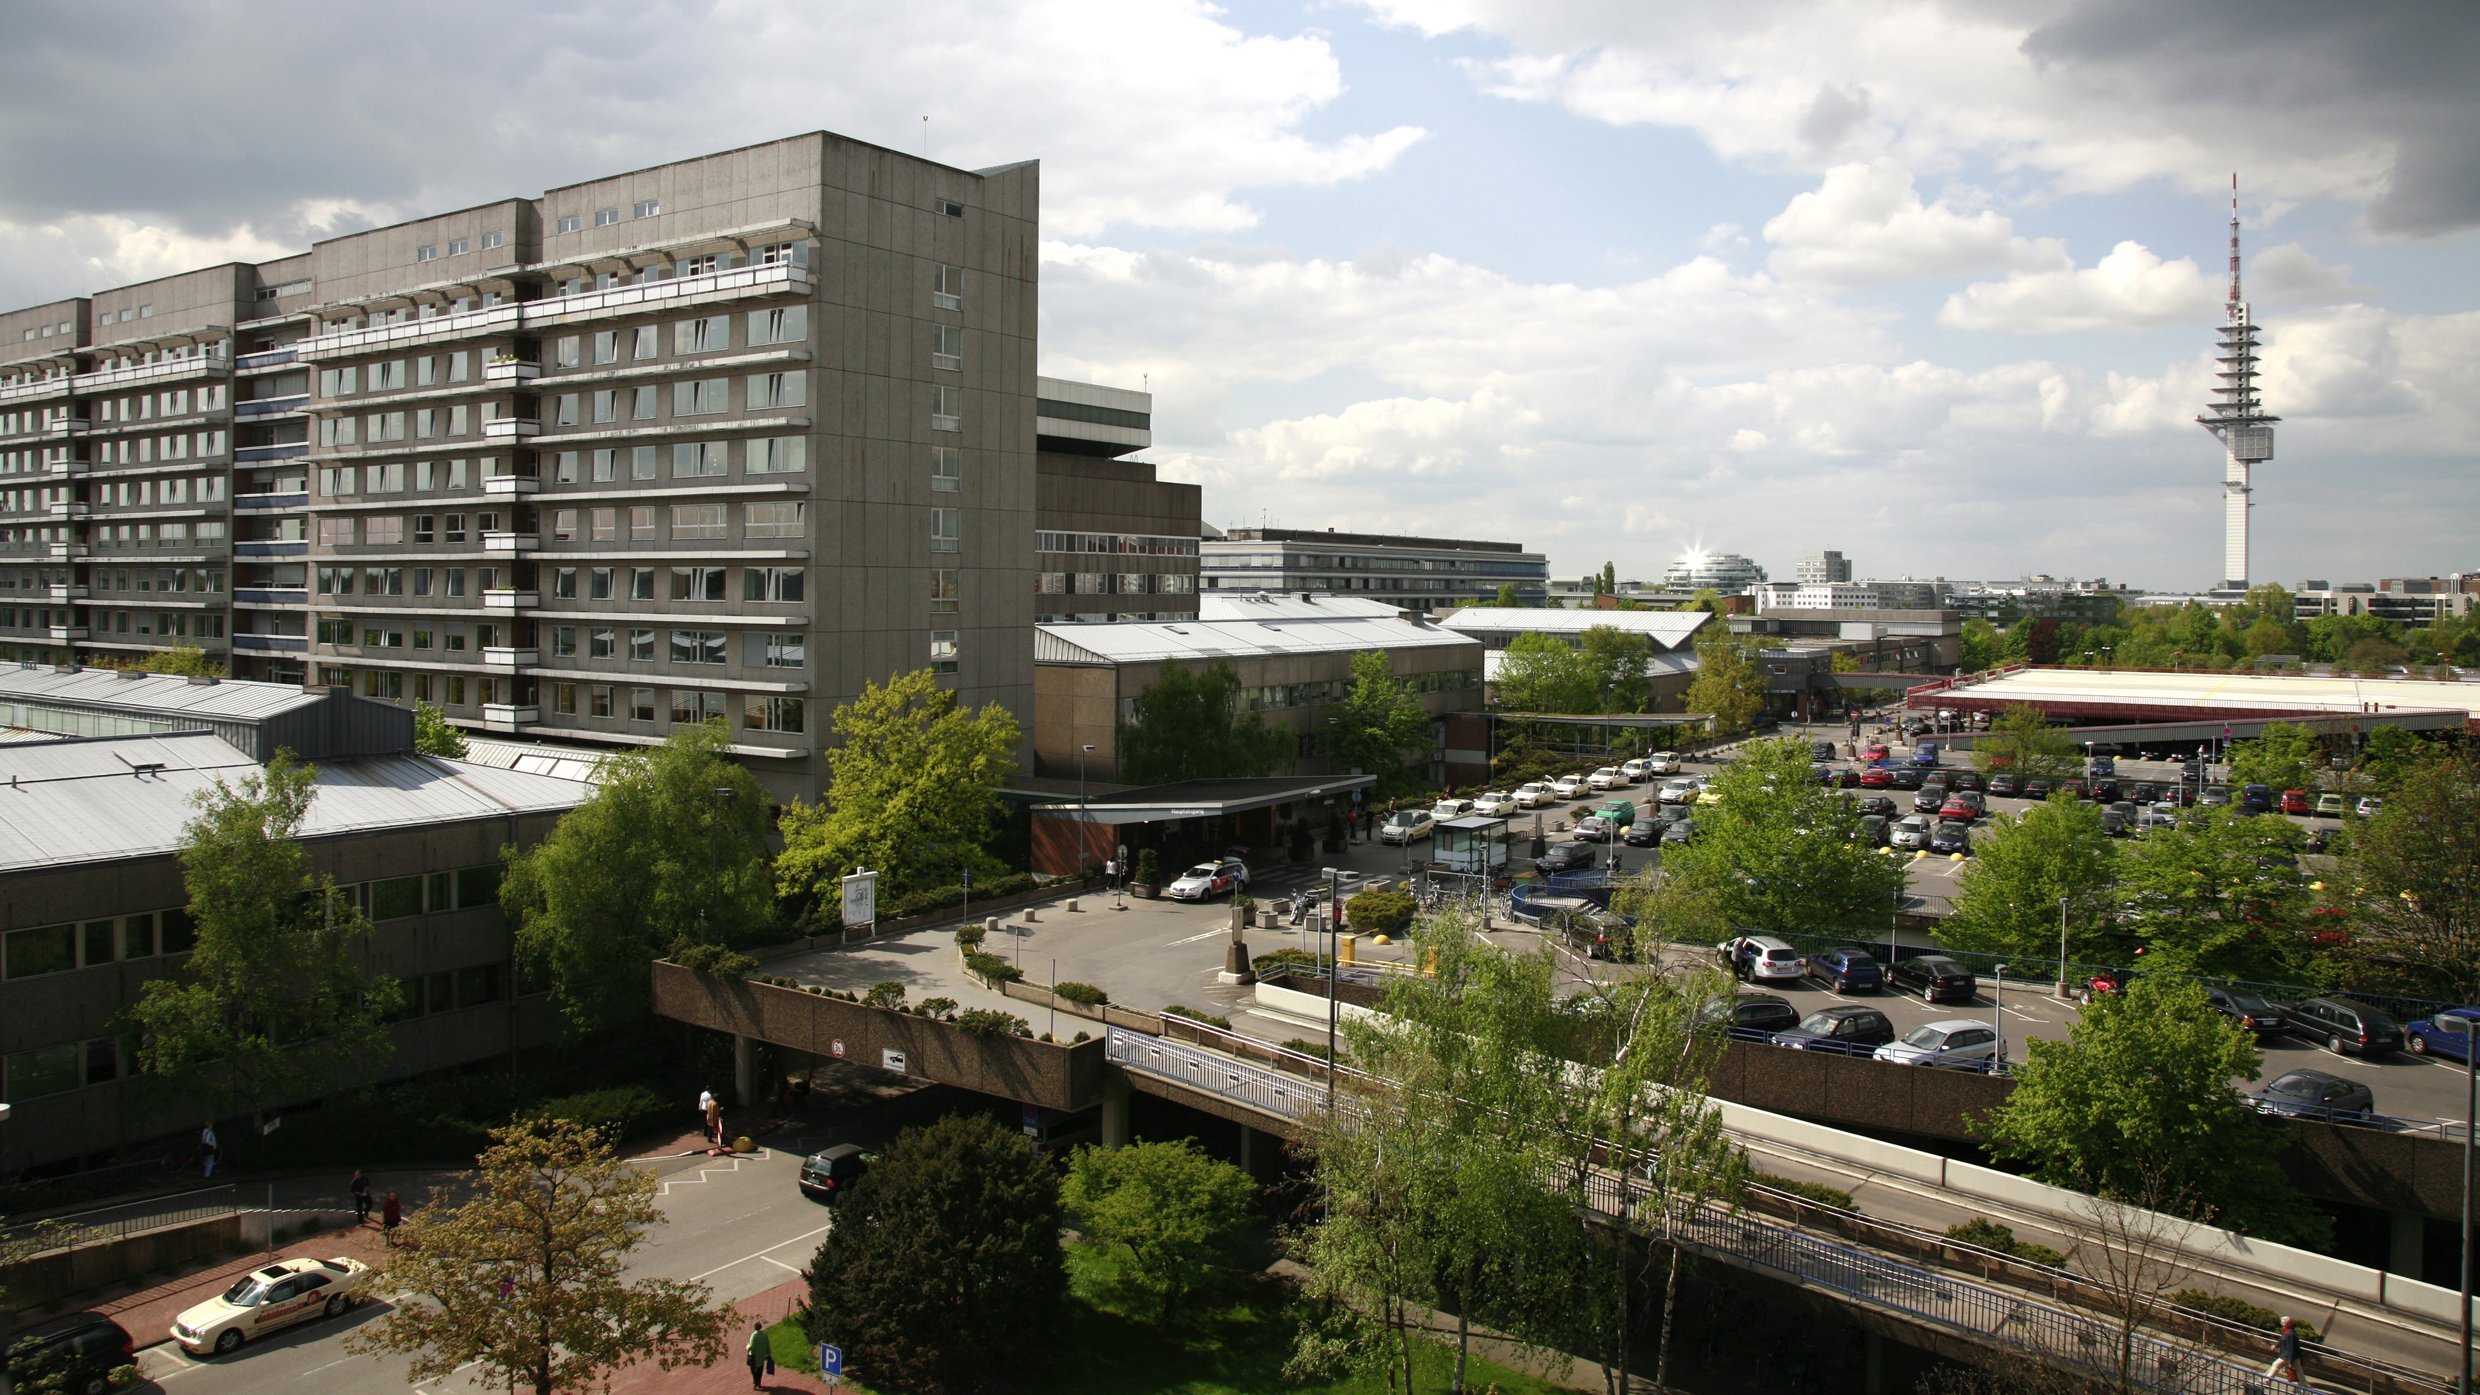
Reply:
x=1238, y=1351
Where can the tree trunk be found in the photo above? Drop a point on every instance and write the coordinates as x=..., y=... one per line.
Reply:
x=1463, y=1344
x=1670, y=1301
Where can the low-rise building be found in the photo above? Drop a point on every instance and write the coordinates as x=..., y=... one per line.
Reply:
x=1412, y=573
x=1883, y=641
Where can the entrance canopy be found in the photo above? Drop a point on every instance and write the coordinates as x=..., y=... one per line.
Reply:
x=1201, y=799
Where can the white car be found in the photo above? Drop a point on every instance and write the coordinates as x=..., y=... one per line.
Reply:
x=1770, y=959
x=1406, y=825
x=1636, y=769
x=1679, y=789
x=1534, y=794
x=1606, y=778
x=1964, y=1042
x=264, y=1300
x=1914, y=831
x=1450, y=809
x=1568, y=787
x=2369, y=806
x=1208, y=879
x=1662, y=763
x=1495, y=804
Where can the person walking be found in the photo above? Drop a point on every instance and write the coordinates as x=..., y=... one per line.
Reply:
x=706, y=1115
x=361, y=1197
x=207, y=1149
x=2286, y=1352
x=391, y=1215
x=761, y=1360
x=714, y=1120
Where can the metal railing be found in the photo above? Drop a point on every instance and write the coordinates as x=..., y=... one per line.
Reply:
x=103, y=1225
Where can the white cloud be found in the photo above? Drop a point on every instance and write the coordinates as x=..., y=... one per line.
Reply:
x=2131, y=288
x=2289, y=277
x=1866, y=225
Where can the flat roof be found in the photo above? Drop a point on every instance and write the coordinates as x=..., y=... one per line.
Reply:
x=162, y=694
x=2098, y=691
x=1150, y=641
x=1667, y=628
x=104, y=799
x=1198, y=799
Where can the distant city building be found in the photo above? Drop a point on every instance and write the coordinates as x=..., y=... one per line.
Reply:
x=2237, y=417
x=1414, y=573
x=1907, y=594
x=1825, y=567
x=1817, y=595
x=1726, y=572
x=2407, y=600
x=2039, y=597
x=1884, y=641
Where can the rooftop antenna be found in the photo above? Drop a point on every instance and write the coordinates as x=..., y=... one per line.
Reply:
x=2236, y=417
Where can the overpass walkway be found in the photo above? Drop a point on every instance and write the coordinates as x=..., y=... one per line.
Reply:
x=2007, y=1303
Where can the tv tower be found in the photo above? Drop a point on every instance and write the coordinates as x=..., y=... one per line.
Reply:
x=2236, y=417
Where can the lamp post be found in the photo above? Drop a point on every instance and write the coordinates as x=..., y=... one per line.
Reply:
x=2062, y=947
x=1334, y=974
x=1081, y=753
x=1997, y=1005
x=2468, y=1027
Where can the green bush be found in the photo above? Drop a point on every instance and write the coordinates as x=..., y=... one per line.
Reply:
x=1084, y=994
x=1148, y=868
x=1289, y=958
x=2237, y=1310
x=989, y=1022
x=1817, y=1192
x=886, y=993
x=1306, y=1048
x=1081, y=1036
x=1989, y=1235
x=618, y=1111
x=1193, y=1015
x=1379, y=912
x=937, y=1009
x=714, y=961
x=991, y=967
x=970, y=936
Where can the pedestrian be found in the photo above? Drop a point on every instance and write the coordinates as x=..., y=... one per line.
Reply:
x=206, y=1149
x=761, y=1360
x=361, y=1197
x=706, y=1115
x=2286, y=1352
x=714, y=1120
x=391, y=1215
x=1742, y=958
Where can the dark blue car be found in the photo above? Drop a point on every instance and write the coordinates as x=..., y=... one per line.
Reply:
x=2428, y=1036
x=1846, y=970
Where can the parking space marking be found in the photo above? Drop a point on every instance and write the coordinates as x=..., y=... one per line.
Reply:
x=761, y=1254
x=1207, y=935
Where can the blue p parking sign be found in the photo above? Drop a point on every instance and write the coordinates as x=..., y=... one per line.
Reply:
x=830, y=1359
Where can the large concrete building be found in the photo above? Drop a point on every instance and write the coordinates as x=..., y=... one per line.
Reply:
x=1412, y=573
x=1111, y=541
x=727, y=437
x=103, y=770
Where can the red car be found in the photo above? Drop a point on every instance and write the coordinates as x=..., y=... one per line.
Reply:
x=1876, y=777
x=1963, y=806
x=1874, y=753
x=2294, y=801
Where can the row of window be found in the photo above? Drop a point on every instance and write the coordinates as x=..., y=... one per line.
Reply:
x=688, y=707
x=176, y=534
x=170, y=580
x=181, y=623
x=454, y=475
x=770, y=518
x=457, y=246
x=394, y=581
x=762, y=584
x=135, y=450
x=764, y=455
x=144, y=491
x=1114, y=584
x=1121, y=544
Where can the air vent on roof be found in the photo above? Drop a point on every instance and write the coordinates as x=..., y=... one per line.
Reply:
x=203, y=680
x=129, y=673
x=65, y=668
x=1307, y=599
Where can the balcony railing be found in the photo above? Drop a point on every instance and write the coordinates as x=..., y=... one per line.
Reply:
x=189, y=367
x=513, y=370
x=63, y=469
x=268, y=503
x=271, y=406
x=290, y=450
x=739, y=283
x=509, y=656
x=354, y=341
x=271, y=644
x=508, y=598
x=66, y=592
x=511, y=429
x=40, y=387
x=70, y=508
x=68, y=632
x=271, y=595
x=67, y=426
x=511, y=484
x=510, y=542
x=66, y=552
x=279, y=547
x=502, y=716
x=269, y=358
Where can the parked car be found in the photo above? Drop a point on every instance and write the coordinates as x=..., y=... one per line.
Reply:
x=1909, y=777
x=830, y=1172
x=1209, y=879
x=1446, y=809
x=2155, y=817
x=1496, y=804
x=1936, y=978
x=1593, y=828
x=2137, y=792
x=1621, y=812
x=2103, y=789
x=2036, y=789
x=1876, y=777
x=1607, y=778
x=2074, y=788
x=1643, y=833
x=1679, y=789
x=1930, y=799
x=1564, y=857
x=2176, y=795
x=2429, y=1036
x=1568, y=787
x=1912, y=832
x=1596, y=933
x=1751, y=1016
x=2313, y=1094
x=1872, y=830
x=2332, y=805
x=2115, y=824
x=1963, y=805
x=2246, y=1009
x=80, y=1351
x=1848, y=1031
x=2347, y=1026
x=2005, y=785
x=1636, y=768
x=1963, y=1042
x=268, y=1299
x=1823, y=752
x=1874, y=753
x=2214, y=796
x=1672, y=813
x=1951, y=837
x=1846, y=970
x=2294, y=801
x=1925, y=754
x=2370, y=806
x=1678, y=832
x=1771, y=959
x=1406, y=826
x=1877, y=804
x=2256, y=799
x=1533, y=794
x=1663, y=763
x=1965, y=780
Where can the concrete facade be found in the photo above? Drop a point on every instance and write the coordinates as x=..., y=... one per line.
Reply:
x=1426, y=574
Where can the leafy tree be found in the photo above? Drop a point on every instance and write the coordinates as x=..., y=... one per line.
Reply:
x=434, y=734
x=2139, y=1099
x=2373, y=656
x=273, y=1002
x=1727, y=685
x=2330, y=637
x=913, y=772
x=528, y=1280
x=1176, y=1218
x=2392, y=756
x=1507, y=599
x=656, y=861
x=1381, y=729
x=943, y=1255
x=2219, y=895
x=2285, y=757
x=1980, y=645
x=1780, y=852
x=2414, y=886
x=2007, y=900
x=1542, y=673
x=1191, y=725
x=1607, y=583
x=1617, y=659
x=2021, y=741
x=187, y=660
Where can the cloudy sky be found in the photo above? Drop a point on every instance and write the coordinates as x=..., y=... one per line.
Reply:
x=1932, y=283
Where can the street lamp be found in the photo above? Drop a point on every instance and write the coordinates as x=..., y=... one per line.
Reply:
x=2062, y=947
x=2467, y=1026
x=1081, y=754
x=1334, y=973
x=1997, y=1005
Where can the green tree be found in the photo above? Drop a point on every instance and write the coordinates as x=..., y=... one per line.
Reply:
x=1190, y=724
x=2218, y=895
x=434, y=734
x=2392, y=756
x=913, y=772
x=1607, y=584
x=1175, y=1218
x=659, y=859
x=2007, y=899
x=2138, y=1100
x=1617, y=660
x=1542, y=673
x=2021, y=742
x=273, y=1003
x=1727, y=686
x=528, y=1280
x=2285, y=757
x=1779, y=853
x=1381, y=729
x=1507, y=599
x=2413, y=879
x=944, y=1256
x=186, y=660
x=1981, y=645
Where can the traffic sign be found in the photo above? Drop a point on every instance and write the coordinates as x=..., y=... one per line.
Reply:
x=839, y=1048
x=830, y=1359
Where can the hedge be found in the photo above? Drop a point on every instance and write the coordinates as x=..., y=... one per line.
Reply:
x=2237, y=1310
x=714, y=961
x=1382, y=912
x=989, y=1022
x=1989, y=1235
x=616, y=1111
x=1081, y=993
x=991, y=967
x=1289, y=958
x=1193, y=1015
x=1817, y=1192
x=1306, y=1048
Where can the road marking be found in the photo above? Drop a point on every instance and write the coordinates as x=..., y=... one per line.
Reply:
x=728, y=1166
x=761, y=1254
x=781, y=1265
x=1210, y=934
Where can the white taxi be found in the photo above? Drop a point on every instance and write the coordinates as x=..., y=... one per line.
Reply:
x=267, y=1299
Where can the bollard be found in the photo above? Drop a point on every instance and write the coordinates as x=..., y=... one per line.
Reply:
x=990, y=925
x=1030, y=917
x=1347, y=950
x=1071, y=907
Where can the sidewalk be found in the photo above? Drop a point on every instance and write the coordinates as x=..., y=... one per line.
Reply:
x=732, y=1372
x=148, y=1312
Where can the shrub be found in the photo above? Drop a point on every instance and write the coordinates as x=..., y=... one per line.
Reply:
x=938, y=1009
x=1193, y=1015
x=1081, y=1036
x=991, y=968
x=616, y=1111
x=970, y=936
x=1817, y=1192
x=1081, y=993
x=714, y=961
x=886, y=993
x=1989, y=1235
x=989, y=1022
x=1382, y=912
x=1148, y=868
x=1289, y=958
x=2237, y=1310
x=1306, y=1048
